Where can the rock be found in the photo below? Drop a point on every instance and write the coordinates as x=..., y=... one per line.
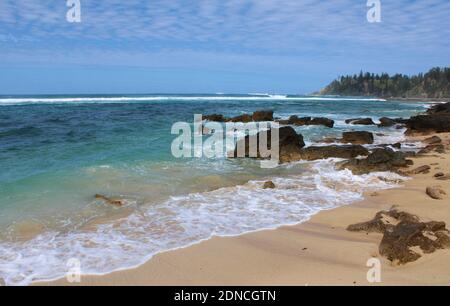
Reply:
x=322, y=121
x=440, y=109
x=438, y=148
x=383, y=221
x=115, y=202
x=290, y=144
x=421, y=170
x=387, y=122
x=215, y=118
x=269, y=185
x=324, y=152
x=358, y=137
x=295, y=120
x=428, y=124
x=402, y=232
x=436, y=192
x=360, y=121
x=439, y=174
x=262, y=116
x=432, y=140
x=245, y=118
x=379, y=160
x=446, y=177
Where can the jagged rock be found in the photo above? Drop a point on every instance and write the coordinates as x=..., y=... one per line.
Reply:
x=439, y=174
x=383, y=221
x=322, y=121
x=402, y=232
x=432, y=140
x=324, y=152
x=387, y=122
x=257, y=116
x=115, y=202
x=439, y=109
x=262, y=116
x=245, y=118
x=290, y=144
x=438, y=148
x=378, y=160
x=420, y=170
x=215, y=118
x=358, y=137
x=397, y=145
x=436, y=192
x=269, y=185
x=428, y=124
x=295, y=120
x=360, y=121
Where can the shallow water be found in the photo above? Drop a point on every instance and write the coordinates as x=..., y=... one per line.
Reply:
x=56, y=153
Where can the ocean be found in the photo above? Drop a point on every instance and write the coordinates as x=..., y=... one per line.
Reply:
x=57, y=152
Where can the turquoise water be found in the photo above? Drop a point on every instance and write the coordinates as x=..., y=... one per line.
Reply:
x=57, y=152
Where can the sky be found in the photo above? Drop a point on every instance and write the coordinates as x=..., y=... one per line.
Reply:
x=211, y=46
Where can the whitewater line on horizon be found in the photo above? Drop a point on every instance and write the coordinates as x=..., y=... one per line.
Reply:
x=15, y=101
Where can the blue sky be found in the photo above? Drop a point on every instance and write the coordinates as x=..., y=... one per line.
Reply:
x=240, y=46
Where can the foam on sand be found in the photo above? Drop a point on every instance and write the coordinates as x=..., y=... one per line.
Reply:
x=185, y=220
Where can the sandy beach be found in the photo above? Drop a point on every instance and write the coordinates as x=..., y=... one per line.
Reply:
x=318, y=252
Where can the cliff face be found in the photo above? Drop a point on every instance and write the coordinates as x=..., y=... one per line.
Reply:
x=433, y=84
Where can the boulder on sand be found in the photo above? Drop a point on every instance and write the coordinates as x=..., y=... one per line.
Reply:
x=402, y=232
x=358, y=137
x=436, y=192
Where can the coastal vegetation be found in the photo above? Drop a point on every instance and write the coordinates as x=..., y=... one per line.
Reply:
x=434, y=84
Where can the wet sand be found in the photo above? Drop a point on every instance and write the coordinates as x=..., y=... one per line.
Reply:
x=318, y=252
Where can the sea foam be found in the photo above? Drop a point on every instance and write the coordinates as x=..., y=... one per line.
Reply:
x=185, y=220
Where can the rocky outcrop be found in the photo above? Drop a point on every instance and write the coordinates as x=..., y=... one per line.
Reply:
x=436, y=120
x=257, y=116
x=387, y=122
x=215, y=118
x=358, y=138
x=261, y=116
x=349, y=151
x=402, y=232
x=437, y=148
x=379, y=160
x=432, y=140
x=290, y=145
x=420, y=170
x=322, y=121
x=295, y=120
x=439, y=109
x=360, y=121
x=436, y=192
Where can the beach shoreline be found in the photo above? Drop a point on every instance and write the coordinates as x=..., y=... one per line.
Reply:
x=318, y=252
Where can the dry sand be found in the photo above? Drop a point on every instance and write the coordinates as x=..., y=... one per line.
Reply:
x=318, y=252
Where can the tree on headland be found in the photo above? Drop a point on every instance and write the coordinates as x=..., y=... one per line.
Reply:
x=433, y=84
